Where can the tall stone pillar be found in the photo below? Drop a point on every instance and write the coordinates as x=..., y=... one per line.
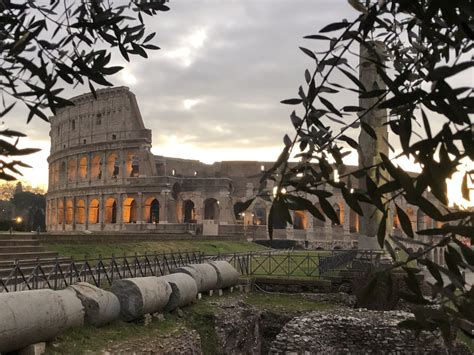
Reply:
x=101, y=211
x=86, y=211
x=119, y=215
x=164, y=193
x=370, y=148
x=140, y=208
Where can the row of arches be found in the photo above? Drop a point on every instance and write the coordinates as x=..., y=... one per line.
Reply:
x=97, y=167
x=67, y=213
x=129, y=211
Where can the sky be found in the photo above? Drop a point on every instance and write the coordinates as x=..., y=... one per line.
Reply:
x=212, y=92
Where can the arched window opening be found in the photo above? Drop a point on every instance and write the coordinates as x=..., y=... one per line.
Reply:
x=130, y=211
x=135, y=167
x=71, y=170
x=354, y=222
x=62, y=171
x=80, y=212
x=211, y=209
x=260, y=214
x=396, y=221
x=83, y=168
x=339, y=209
x=94, y=211
x=60, y=212
x=53, y=215
x=238, y=211
x=113, y=167
x=299, y=220
x=152, y=210
x=110, y=211
x=189, y=212
x=69, y=211
x=96, y=168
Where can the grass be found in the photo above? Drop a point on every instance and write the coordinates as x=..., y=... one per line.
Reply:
x=199, y=316
x=466, y=340
x=93, y=250
x=92, y=339
x=285, y=303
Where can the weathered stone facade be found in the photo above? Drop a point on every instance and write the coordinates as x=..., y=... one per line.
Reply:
x=104, y=178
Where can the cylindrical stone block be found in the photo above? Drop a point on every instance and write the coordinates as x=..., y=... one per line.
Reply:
x=204, y=275
x=141, y=295
x=29, y=317
x=226, y=274
x=100, y=306
x=184, y=290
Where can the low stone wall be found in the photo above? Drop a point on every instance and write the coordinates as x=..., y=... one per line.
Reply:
x=357, y=332
x=127, y=237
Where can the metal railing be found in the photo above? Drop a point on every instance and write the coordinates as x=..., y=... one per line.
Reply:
x=100, y=272
x=290, y=264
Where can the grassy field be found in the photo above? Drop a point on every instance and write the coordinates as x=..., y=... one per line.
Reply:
x=93, y=250
x=199, y=316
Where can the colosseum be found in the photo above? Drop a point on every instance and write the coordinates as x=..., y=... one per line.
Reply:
x=103, y=178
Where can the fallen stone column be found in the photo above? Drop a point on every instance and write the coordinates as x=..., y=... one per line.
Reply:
x=184, y=290
x=226, y=274
x=100, y=306
x=29, y=317
x=141, y=295
x=204, y=274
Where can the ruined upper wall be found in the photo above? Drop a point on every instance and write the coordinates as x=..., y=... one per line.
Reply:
x=114, y=115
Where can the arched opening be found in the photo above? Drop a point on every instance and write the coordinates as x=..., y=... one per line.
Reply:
x=80, y=212
x=96, y=167
x=420, y=220
x=337, y=247
x=129, y=211
x=113, y=167
x=299, y=220
x=62, y=171
x=354, y=222
x=152, y=210
x=71, y=170
x=94, y=211
x=211, y=209
x=60, y=211
x=238, y=211
x=260, y=214
x=189, y=212
x=396, y=221
x=83, y=168
x=339, y=209
x=69, y=211
x=319, y=248
x=111, y=211
x=53, y=214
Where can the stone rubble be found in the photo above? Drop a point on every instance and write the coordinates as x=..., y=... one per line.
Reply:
x=357, y=331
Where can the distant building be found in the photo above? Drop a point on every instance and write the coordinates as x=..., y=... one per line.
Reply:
x=104, y=178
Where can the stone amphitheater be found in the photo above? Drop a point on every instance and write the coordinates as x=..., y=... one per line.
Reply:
x=103, y=178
